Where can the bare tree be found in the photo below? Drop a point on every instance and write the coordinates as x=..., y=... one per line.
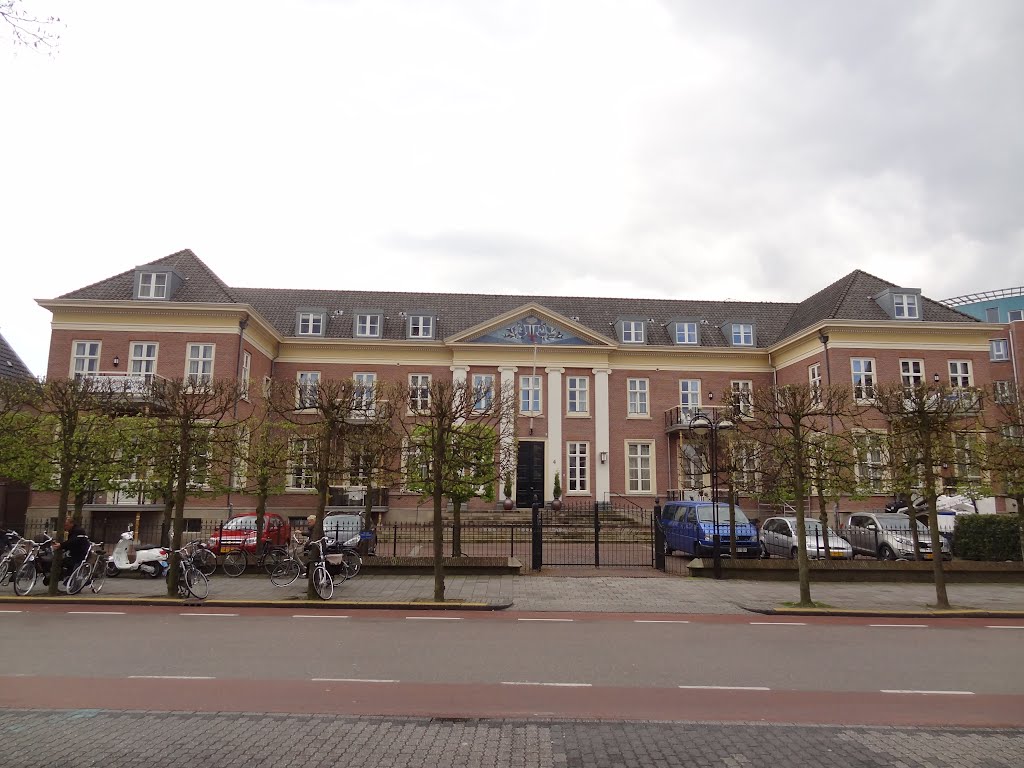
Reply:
x=30, y=29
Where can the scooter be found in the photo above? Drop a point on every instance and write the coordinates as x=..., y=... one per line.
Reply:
x=149, y=560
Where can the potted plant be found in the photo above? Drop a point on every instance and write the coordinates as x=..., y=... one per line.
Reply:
x=556, y=493
x=508, y=505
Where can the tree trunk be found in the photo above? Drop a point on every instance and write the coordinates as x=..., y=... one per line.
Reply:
x=180, y=493
x=1020, y=521
x=802, y=566
x=261, y=521
x=732, y=518
x=438, y=544
x=941, y=598
x=823, y=519
x=316, y=533
x=456, y=528
x=62, y=515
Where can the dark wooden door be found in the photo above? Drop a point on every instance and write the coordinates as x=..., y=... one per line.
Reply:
x=530, y=473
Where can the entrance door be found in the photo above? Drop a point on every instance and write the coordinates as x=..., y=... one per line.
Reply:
x=530, y=473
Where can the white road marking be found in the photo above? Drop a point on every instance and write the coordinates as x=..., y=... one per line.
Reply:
x=207, y=614
x=778, y=623
x=317, y=616
x=725, y=687
x=659, y=621
x=349, y=680
x=6, y=611
x=545, y=619
x=935, y=693
x=990, y=626
x=552, y=685
x=95, y=613
x=434, y=618
x=899, y=625
x=169, y=677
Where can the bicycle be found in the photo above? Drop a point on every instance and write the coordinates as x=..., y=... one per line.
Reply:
x=25, y=576
x=191, y=580
x=288, y=569
x=204, y=558
x=92, y=571
x=14, y=548
x=237, y=560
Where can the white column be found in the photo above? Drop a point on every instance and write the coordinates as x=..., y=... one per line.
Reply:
x=602, y=472
x=553, y=459
x=505, y=385
x=460, y=374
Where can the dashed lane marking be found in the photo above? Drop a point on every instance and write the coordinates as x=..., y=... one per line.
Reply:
x=659, y=621
x=434, y=618
x=349, y=680
x=317, y=616
x=95, y=613
x=207, y=614
x=1002, y=626
x=6, y=611
x=914, y=626
x=170, y=677
x=725, y=687
x=778, y=623
x=544, y=619
x=934, y=693
x=551, y=685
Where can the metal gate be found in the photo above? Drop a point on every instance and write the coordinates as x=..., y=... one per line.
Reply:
x=595, y=535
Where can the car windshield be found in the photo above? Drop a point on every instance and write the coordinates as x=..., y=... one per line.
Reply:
x=900, y=523
x=240, y=523
x=337, y=525
x=706, y=514
x=813, y=527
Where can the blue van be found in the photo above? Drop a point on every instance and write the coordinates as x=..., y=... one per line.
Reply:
x=689, y=527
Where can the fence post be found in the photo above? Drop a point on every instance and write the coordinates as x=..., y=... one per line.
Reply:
x=597, y=536
x=394, y=539
x=511, y=540
x=537, y=552
x=659, y=538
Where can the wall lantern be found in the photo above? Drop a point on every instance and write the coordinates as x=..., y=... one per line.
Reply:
x=117, y=361
x=604, y=457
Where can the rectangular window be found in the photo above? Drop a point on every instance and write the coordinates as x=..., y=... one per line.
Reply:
x=741, y=403
x=142, y=362
x=416, y=465
x=246, y=375
x=153, y=285
x=364, y=396
x=998, y=349
x=905, y=306
x=960, y=373
x=689, y=397
x=301, y=464
x=638, y=467
x=967, y=459
x=368, y=325
x=814, y=380
x=1015, y=314
x=637, y=389
x=742, y=335
x=421, y=327
x=307, y=389
x=633, y=331
x=578, y=390
x=311, y=324
x=863, y=370
x=911, y=373
x=869, y=462
x=483, y=392
x=86, y=359
x=686, y=333
x=199, y=366
x=529, y=394
x=578, y=467
x=691, y=465
x=1004, y=392
x=419, y=392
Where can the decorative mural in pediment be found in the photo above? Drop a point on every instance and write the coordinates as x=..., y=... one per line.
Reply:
x=531, y=330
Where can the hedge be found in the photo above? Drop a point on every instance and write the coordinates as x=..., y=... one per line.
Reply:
x=987, y=537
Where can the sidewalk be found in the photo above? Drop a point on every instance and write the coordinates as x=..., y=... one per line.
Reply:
x=582, y=590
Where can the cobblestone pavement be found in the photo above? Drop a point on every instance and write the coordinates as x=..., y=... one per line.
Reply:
x=643, y=591
x=80, y=738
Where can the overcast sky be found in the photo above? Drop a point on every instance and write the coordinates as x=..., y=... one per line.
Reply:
x=743, y=150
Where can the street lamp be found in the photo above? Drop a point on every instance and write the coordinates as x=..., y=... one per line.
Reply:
x=710, y=422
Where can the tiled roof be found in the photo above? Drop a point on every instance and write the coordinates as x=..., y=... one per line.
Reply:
x=11, y=366
x=848, y=299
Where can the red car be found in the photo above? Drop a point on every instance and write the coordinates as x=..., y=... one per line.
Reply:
x=240, y=533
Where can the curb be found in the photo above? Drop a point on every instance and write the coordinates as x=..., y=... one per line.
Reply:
x=405, y=605
x=910, y=613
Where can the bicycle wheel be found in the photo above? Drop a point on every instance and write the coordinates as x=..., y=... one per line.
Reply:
x=99, y=576
x=25, y=578
x=79, y=577
x=205, y=561
x=323, y=584
x=234, y=563
x=286, y=573
x=5, y=567
x=273, y=558
x=197, y=583
x=352, y=562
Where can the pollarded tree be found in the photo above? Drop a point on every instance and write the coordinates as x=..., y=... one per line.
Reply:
x=450, y=435
x=1006, y=448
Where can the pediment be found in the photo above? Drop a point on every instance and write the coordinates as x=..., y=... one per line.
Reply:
x=531, y=325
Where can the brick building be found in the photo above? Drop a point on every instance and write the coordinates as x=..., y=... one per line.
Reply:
x=604, y=384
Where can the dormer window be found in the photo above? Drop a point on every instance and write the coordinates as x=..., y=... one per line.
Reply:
x=153, y=285
x=686, y=333
x=368, y=325
x=742, y=334
x=159, y=284
x=420, y=327
x=309, y=323
x=632, y=331
x=905, y=306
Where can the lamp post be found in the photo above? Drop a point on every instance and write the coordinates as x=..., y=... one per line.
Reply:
x=711, y=422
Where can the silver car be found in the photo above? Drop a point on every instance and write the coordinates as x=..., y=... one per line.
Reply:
x=887, y=535
x=778, y=539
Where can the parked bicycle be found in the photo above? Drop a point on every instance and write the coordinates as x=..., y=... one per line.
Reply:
x=30, y=568
x=204, y=558
x=91, y=572
x=288, y=571
x=13, y=550
x=271, y=556
x=191, y=580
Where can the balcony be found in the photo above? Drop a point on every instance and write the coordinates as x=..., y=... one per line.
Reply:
x=127, y=387
x=678, y=418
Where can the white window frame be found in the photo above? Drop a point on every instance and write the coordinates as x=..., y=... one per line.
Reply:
x=310, y=324
x=530, y=395
x=246, y=374
x=368, y=325
x=869, y=467
x=88, y=354
x=691, y=466
x=633, y=331
x=421, y=326
x=577, y=467
x=961, y=374
x=419, y=392
x=640, y=467
x=638, y=405
x=1003, y=391
x=305, y=479
x=998, y=350
x=153, y=288
x=684, y=335
x=906, y=306
x=577, y=400
x=743, y=334
x=203, y=364
x=862, y=371
x=742, y=399
x=689, y=397
x=306, y=384
x=483, y=392
x=814, y=380
x=144, y=362
x=364, y=395
x=912, y=373
x=1014, y=315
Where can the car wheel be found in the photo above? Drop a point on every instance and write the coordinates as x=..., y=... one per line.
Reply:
x=668, y=549
x=794, y=552
x=885, y=552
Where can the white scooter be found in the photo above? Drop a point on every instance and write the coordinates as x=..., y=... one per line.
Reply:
x=148, y=560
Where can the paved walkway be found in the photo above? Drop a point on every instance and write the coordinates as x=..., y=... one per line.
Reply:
x=590, y=590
